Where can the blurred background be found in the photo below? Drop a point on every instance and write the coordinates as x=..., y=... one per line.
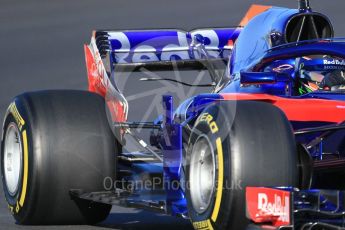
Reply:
x=41, y=47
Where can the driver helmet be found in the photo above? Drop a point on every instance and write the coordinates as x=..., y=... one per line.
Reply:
x=320, y=73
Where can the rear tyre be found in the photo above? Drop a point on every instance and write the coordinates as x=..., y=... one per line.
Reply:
x=54, y=141
x=234, y=145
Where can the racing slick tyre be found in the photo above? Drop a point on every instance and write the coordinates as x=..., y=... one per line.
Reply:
x=235, y=144
x=54, y=141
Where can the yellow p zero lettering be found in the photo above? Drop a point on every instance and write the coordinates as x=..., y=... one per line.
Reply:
x=206, y=117
x=209, y=118
x=10, y=208
x=17, y=207
x=220, y=180
x=213, y=127
x=203, y=225
x=20, y=121
x=203, y=117
x=25, y=169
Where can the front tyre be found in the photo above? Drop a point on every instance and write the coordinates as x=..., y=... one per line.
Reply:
x=54, y=141
x=234, y=145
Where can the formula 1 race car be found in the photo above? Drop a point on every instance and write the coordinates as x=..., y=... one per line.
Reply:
x=264, y=148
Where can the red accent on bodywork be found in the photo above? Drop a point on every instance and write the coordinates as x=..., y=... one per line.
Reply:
x=299, y=109
x=231, y=43
x=117, y=111
x=267, y=205
x=252, y=12
x=98, y=84
x=93, y=75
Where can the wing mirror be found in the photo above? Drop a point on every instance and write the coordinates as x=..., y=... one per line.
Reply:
x=256, y=78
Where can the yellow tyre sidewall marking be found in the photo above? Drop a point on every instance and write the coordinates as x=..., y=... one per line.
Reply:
x=10, y=208
x=21, y=122
x=220, y=180
x=206, y=224
x=19, y=119
x=203, y=225
x=25, y=169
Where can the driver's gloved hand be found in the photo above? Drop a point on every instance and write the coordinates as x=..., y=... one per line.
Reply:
x=333, y=78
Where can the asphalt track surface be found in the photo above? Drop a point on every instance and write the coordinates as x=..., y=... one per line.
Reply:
x=41, y=48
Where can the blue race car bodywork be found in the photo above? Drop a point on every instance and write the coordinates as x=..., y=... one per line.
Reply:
x=260, y=63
